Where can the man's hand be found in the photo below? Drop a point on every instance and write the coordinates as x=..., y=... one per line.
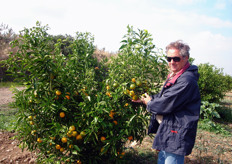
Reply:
x=144, y=99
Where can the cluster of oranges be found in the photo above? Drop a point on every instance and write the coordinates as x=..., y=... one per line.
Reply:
x=58, y=94
x=137, y=89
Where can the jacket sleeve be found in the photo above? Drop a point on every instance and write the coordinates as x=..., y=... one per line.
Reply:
x=173, y=98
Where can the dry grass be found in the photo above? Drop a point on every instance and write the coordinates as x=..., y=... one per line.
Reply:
x=102, y=54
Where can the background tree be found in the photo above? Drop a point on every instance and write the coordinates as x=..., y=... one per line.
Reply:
x=213, y=83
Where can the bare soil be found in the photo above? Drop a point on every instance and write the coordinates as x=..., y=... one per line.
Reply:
x=6, y=96
x=10, y=153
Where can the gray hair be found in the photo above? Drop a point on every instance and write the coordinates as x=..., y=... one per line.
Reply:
x=179, y=45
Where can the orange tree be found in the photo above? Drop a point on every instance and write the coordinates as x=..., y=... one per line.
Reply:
x=74, y=109
x=139, y=68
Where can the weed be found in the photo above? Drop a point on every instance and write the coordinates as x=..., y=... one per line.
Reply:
x=9, y=84
x=7, y=117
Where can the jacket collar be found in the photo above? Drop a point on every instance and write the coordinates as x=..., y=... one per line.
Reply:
x=171, y=79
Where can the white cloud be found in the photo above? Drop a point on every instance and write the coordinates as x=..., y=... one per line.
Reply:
x=213, y=21
x=220, y=6
x=107, y=21
x=187, y=2
x=212, y=48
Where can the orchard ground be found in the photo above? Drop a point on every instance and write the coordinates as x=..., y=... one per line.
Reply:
x=209, y=148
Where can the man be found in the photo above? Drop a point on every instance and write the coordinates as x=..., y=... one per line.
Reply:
x=176, y=109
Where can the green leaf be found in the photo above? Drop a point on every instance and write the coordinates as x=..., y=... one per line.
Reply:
x=76, y=148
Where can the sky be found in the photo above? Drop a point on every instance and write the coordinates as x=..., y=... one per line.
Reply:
x=205, y=25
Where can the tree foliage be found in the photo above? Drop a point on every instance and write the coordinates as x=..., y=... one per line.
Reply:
x=213, y=83
x=75, y=109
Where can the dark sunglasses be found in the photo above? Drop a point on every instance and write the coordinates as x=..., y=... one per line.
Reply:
x=175, y=59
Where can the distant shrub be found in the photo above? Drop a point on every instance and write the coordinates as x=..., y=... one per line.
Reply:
x=213, y=83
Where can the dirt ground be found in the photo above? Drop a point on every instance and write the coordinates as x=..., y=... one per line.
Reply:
x=6, y=96
x=10, y=153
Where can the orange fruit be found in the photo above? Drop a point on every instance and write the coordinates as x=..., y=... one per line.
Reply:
x=70, y=146
x=64, y=139
x=132, y=86
x=62, y=114
x=108, y=94
x=112, y=113
x=103, y=149
x=39, y=140
x=115, y=122
x=78, y=161
x=107, y=87
x=126, y=92
x=58, y=147
x=30, y=118
x=139, y=83
x=67, y=97
x=133, y=80
x=115, y=85
x=82, y=133
x=31, y=123
x=58, y=93
x=72, y=128
x=33, y=132
x=103, y=138
x=79, y=137
x=132, y=93
x=130, y=138
x=61, y=149
x=74, y=133
x=69, y=133
x=135, y=97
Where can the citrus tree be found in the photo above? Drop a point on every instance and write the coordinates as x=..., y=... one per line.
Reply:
x=211, y=76
x=74, y=109
x=137, y=69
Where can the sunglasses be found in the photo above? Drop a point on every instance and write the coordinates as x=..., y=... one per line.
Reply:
x=175, y=59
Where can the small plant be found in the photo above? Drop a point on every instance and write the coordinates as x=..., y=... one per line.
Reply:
x=208, y=110
x=7, y=117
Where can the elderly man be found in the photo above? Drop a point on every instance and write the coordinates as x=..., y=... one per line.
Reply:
x=176, y=109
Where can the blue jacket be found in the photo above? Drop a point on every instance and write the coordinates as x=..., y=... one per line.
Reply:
x=180, y=106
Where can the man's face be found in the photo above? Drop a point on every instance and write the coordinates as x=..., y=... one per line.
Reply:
x=176, y=66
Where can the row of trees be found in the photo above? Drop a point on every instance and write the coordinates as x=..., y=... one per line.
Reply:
x=213, y=82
